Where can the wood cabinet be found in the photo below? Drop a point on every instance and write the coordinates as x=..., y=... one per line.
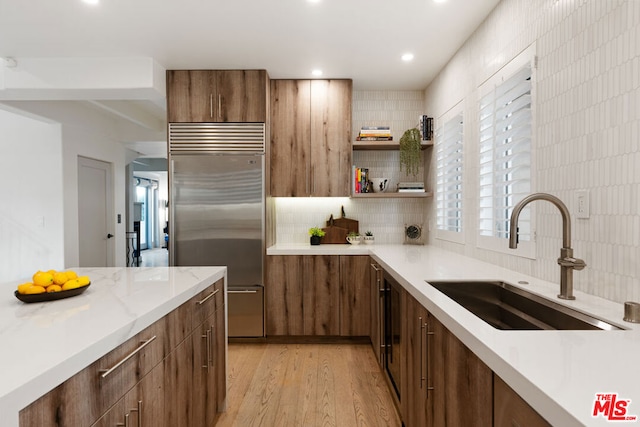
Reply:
x=416, y=370
x=376, y=300
x=317, y=295
x=510, y=410
x=463, y=384
x=152, y=377
x=217, y=96
x=310, y=149
x=355, y=296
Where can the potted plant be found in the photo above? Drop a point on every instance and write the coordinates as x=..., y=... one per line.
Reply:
x=368, y=237
x=353, y=237
x=316, y=234
x=410, y=151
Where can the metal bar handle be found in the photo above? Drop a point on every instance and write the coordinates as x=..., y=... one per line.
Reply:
x=139, y=411
x=205, y=337
x=205, y=299
x=126, y=420
x=376, y=267
x=428, y=359
x=209, y=351
x=422, y=360
x=211, y=105
x=143, y=344
x=242, y=292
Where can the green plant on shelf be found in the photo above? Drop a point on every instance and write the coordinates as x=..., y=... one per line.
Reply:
x=315, y=231
x=410, y=151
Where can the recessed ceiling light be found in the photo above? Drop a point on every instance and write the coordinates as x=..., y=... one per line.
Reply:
x=407, y=57
x=439, y=1
x=91, y=2
x=314, y=1
x=317, y=73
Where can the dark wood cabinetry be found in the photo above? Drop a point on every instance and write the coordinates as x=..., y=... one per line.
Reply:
x=310, y=150
x=170, y=374
x=510, y=410
x=202, y=96
x=317, y=295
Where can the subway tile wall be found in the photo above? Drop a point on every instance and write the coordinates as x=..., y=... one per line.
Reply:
x=386, y=218
x=587, y=124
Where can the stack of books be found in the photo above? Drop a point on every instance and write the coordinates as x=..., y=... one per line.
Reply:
x=360, y=180
x=375, y=133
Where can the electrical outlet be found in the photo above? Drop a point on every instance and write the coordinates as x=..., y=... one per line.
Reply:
x=582, y=204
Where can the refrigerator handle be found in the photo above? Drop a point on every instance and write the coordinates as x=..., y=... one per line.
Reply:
x=172, y=233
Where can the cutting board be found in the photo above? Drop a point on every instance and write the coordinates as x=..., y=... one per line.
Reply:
x=351, y=225
x=334, y=234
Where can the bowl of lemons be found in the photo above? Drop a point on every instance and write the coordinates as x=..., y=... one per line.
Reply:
x=52, y=285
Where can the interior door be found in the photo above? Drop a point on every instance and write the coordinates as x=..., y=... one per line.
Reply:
x=95, y=213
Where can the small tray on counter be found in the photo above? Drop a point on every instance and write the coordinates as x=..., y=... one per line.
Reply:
x=50, y=296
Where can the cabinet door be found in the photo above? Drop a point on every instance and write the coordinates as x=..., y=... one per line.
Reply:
x=178, y=383
x=190, y=96
x=204, y=387
x=321, y=297
x=509, y=409
x=290, y=133
x=283, y=292
x=330, y=138
x=219, y=351
x=241, y=96
x=416, y=400
x=463, y=384
x=142, y=406
x=355, y=296
x=376, y=301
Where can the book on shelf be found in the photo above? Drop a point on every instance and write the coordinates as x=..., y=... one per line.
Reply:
x=375, y=128
x=374, y=138
x=360, y=180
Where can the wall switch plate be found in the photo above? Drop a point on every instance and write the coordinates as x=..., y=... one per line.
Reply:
x=582, y=204
x=119, y=218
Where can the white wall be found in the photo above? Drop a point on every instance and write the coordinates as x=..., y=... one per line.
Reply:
x=586, y=134
x=31, y=201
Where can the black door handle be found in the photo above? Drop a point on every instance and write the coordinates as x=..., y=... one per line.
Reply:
x=109, y=236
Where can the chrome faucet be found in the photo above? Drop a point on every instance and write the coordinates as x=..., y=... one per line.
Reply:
x=566, y=261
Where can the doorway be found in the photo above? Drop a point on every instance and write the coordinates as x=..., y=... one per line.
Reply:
x=95, y=213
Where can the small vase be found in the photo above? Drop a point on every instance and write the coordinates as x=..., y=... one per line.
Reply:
x=369, y=239
x=315, y=240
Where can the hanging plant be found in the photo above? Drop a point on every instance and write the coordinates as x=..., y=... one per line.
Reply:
x=410, y=151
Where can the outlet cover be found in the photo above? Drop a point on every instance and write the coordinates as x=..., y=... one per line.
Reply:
x=582, y=204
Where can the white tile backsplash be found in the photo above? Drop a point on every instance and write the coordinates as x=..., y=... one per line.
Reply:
x=587, y=113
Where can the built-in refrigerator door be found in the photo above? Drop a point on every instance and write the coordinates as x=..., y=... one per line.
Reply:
x=217, y=214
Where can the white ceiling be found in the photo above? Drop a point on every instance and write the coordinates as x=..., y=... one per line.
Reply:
x=358, y=39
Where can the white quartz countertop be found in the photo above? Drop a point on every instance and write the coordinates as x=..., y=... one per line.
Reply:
x=558, y=373
x=44, y=344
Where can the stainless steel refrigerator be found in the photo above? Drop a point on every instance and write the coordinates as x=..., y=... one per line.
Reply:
x=216, y=178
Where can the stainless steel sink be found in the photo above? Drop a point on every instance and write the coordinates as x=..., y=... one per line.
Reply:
x=505, y=306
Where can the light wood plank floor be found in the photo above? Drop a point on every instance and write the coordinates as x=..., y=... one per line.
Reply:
x=306, y=385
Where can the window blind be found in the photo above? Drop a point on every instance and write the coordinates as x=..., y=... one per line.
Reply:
x=449, y=141
x=505, y=155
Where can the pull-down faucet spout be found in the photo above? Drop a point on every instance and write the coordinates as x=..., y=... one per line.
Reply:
x=566, y=261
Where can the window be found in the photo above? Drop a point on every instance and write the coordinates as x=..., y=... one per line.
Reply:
x=505, y=155
x=449, y=137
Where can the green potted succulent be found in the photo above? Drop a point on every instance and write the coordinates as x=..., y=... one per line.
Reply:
x=410, y=146
x=316, y=234
x=368, y=237
x=354, y=238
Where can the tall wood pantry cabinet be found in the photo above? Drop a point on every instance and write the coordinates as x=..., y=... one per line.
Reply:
x=201, y=96
x=310, y=150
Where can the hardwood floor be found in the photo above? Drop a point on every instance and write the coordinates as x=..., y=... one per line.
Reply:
x=306, y=385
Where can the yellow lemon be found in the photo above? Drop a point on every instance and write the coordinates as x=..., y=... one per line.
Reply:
x=83, y=280
x=43, y=279
x=71, y=284
x=52, y=272
x=59, y=278
x=71, y=274
x=54, y=288
x=22, y=288
x=35, y=289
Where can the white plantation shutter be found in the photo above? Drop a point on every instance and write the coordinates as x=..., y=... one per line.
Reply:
x=505, y=154
x=449, y=142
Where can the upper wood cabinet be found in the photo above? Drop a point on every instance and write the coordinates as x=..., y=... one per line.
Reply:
x=310, y=150
x=217, y=96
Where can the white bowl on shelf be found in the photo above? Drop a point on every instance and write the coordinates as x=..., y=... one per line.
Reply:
x=380, y=185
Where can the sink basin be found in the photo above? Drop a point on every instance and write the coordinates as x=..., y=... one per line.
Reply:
x=507, y=307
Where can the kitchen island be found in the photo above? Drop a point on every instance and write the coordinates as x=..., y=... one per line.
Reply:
x=558, y=373
x=45, y=344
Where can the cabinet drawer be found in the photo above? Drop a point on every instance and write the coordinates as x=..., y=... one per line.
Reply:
x=204, y=304
x=83, y=398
